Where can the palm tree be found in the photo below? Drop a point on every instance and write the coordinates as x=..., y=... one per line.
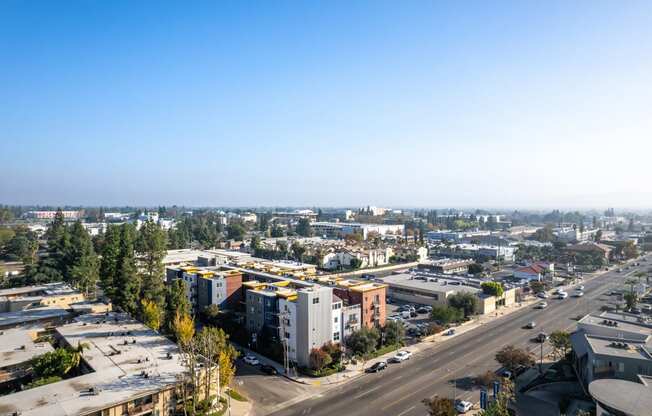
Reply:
x=76, y=353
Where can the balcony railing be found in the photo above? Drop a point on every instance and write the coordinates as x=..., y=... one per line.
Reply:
x=140, y=409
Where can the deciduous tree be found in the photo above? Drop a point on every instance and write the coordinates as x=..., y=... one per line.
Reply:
x=440, y=406
x=560, y=342
x=512, y=357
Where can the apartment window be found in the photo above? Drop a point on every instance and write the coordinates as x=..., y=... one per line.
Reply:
x=287, y=335
x=315, y=301
x=336, y=336
x=336, y=319
x=337, y=306
x=377, y=299
x=621, y=367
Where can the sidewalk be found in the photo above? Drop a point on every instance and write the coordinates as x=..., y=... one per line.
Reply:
x=239, y=408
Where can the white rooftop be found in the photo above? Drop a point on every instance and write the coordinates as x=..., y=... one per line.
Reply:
x=117, y=363
x=17, y=346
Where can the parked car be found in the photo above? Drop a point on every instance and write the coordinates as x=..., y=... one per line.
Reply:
x=542, y=337
x=580, y=287
x=578, y=294
x=463, y=406
x=424, y=309
x=251, y=360
x=268, y=369
x=450, y=332
x=401, y=356
x=542, y=295
x=541, y=305
x=531, y=325
x=379, y=366
x=562, y=295
x=406, y=314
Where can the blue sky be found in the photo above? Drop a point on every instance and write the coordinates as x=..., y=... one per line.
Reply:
x=488, y=104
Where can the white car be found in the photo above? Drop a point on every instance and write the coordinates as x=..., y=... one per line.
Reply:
x=580, y=287
x=542, y=295
x=463, y=406
x=562, y=295
x=531, y=325
x=578, y=294
x=541, y=305
x=401, y=356
x=251, y=360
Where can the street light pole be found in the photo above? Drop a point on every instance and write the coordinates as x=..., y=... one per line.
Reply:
x=541, y=360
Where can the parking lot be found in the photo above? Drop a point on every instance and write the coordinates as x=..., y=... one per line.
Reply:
x=417, y=321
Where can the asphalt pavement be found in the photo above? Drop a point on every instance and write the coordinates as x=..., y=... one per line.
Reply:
x=448, y=367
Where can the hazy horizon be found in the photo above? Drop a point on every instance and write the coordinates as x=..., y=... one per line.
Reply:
x=509, y=104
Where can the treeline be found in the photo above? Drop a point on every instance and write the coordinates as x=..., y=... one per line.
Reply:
x=70, y=257
x=124, y=262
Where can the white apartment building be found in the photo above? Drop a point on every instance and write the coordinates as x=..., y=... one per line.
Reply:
x=342, y=229
x=571, y=234
x=368, y=258
x=307, y=321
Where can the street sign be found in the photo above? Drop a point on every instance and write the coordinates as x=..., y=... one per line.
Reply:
x=483, y=399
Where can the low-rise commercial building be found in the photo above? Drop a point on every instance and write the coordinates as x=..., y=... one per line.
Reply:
x=433, y=290
x=612, y=345
x=476, y=251
x=446, y=266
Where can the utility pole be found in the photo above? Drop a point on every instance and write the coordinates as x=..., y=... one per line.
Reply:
x=541, y=360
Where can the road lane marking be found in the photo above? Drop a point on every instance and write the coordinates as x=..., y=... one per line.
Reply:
x=405, y=411
x=368, y=391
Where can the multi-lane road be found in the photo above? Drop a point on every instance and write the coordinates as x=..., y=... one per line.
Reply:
x=445, y=369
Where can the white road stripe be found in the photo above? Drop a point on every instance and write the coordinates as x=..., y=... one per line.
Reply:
x=405, y=411
x=368, y=391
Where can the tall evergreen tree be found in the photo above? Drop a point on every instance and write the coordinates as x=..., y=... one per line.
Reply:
x=52, y=267
x=151, y=246
x=127, y=280
x=176, y=302
x=81, y=263
x=110, y=260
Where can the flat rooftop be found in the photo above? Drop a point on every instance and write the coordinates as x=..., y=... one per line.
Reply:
x=634, y=399
x=191, y=256
x=605, y=347
x=437, y=284
x=48, y=289
x=17, y=346
x=117, y=364
x=27, y=316
x=623, y=327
